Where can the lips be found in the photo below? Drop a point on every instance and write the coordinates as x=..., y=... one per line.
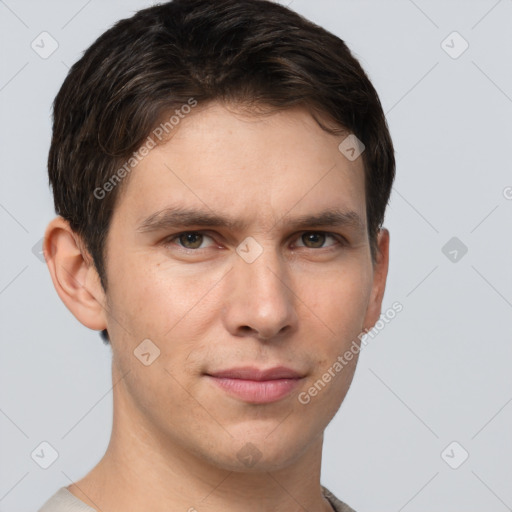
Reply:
x=251, y=373
x=257, y=386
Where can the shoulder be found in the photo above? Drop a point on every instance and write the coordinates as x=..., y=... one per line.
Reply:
x=64, y=501
x=338, y=505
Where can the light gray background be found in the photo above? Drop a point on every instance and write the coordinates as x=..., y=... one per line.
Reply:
x=439, y=372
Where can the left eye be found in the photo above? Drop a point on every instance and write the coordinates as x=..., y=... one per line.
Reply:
x=314, y=239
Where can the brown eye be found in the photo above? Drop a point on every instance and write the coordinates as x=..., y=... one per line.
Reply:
x=191, y=240
x=313, y=240
x=317, y=239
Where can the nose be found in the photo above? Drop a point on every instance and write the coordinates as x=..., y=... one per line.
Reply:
x=260, y=301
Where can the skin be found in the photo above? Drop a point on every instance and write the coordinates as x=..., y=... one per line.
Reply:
x=300, y=304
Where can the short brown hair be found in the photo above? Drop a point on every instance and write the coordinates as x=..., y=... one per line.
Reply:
x=253, y=52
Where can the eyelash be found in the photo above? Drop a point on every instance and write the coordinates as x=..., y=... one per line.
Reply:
x=341, y=240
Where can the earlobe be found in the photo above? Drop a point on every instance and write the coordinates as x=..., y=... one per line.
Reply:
x=74, y=275
x=380, y=273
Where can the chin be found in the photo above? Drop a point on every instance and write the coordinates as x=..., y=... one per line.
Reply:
x=258, y=453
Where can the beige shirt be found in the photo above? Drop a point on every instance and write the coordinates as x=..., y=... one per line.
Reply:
x=65, y=501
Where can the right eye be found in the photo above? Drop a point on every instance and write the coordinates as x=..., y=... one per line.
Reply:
x=190, y=240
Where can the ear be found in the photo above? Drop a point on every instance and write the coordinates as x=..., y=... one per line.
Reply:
x=74, y=275
x=380, y=274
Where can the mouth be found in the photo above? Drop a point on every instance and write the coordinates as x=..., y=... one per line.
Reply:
x=257, y=386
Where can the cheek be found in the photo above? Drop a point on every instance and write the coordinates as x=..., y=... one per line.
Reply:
x=153, y=297
x=339, y=301
x=338, y=305
x=342, y=307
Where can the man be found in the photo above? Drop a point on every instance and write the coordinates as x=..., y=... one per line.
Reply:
x=220, y=171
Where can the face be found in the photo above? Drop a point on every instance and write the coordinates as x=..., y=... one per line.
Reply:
x=285, y=281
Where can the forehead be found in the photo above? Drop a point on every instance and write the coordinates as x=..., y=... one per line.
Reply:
x=228, y=160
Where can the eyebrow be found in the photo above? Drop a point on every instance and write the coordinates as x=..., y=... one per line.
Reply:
x=177, y=217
